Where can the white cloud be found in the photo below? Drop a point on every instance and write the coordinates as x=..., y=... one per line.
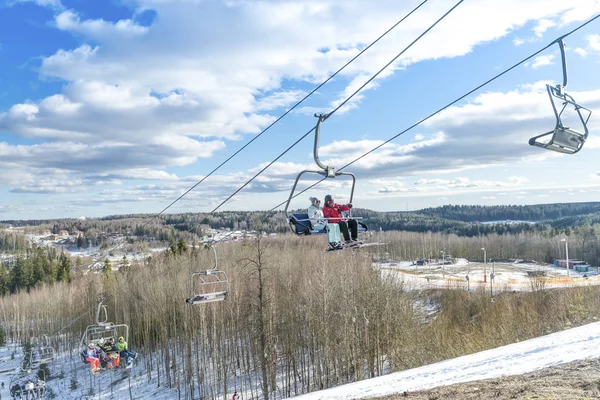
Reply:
x=518, y=41
x=593, y=46
x=594, y=42
x=510, y=118
x=542, y=26
x=55, y=4
x=99, y=28
x=541, y=61
x=137, y=100
x=463, y=182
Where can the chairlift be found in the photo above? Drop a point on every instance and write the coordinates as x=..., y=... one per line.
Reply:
x=45, y=351
x=299, y=223
x=563, y=139
x=210, y=285
x=23, y=386
x=101, y=331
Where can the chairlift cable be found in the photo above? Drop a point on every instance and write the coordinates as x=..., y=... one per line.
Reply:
x=280, y=118
x=73, y=321
x=469, y=92
x=393, y=60
x=291, y=109
x=340, y=105
x=448, y=105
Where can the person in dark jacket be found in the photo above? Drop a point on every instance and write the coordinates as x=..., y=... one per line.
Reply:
x=333, y=212
x=109, y=345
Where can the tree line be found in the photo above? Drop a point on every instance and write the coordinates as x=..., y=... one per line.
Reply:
x=460, y=220
x=297, y=321
x=34, y=267
x=532, y=213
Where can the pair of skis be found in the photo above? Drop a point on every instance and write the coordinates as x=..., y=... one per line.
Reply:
x=354, y=245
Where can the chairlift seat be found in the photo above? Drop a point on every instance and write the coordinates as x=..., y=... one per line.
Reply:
x=564, y=140
x=207, y=297
x=301, y=226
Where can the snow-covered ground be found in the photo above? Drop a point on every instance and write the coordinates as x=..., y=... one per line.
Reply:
x=506, y=276
x=566, y=346
x=558, y=348
x=111, y=384
x=514, y=359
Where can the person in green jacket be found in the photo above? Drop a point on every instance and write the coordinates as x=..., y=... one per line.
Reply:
x=124, y=352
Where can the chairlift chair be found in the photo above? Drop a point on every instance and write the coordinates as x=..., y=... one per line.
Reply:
x=102, y=330
x=210, y=285
x=46, y=351
x=299, y=223
x=563, y=139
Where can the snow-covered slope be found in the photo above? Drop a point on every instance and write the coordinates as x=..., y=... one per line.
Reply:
x=514, y=359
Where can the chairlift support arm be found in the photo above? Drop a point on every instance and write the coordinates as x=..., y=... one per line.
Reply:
x=563, y=56
x=326, y=171
x=101, y=310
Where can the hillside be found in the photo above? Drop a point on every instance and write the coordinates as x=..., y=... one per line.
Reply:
x=459, y=220
x=527, y=359
x=531, y=213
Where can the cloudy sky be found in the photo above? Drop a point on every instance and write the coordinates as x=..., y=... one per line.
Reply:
x=120, y=106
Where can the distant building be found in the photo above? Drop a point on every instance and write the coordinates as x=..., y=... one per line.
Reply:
x=63, y=232
x=572, y=263
x=422, y=262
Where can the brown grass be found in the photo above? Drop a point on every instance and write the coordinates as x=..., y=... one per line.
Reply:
x=306, y=320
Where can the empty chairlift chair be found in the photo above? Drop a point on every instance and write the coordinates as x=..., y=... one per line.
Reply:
x=210, y=285
x=564, y=139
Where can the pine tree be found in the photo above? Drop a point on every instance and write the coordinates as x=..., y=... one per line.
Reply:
x=107, y=269
x=47, y=267
x=4, y=281
x=2, y=337
x=64, y=269
x=38, y=267
x=18, y=278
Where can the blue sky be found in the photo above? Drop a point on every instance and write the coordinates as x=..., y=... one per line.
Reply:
x=119, y=106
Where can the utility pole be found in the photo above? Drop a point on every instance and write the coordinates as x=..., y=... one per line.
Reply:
x=566, y=253
x=484, y=265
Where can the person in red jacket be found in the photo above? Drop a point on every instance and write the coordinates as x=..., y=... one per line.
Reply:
x=333, y=212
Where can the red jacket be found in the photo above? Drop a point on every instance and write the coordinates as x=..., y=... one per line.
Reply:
x=334, y=213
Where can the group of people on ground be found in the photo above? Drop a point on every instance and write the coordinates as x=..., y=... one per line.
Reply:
x=331, y=218
x=101, y=355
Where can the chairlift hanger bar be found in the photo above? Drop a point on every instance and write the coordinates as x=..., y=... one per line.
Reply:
x=507, y=70
x=326, y=170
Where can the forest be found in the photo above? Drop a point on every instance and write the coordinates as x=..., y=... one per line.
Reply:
x=297, y=320
x=460, y=220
